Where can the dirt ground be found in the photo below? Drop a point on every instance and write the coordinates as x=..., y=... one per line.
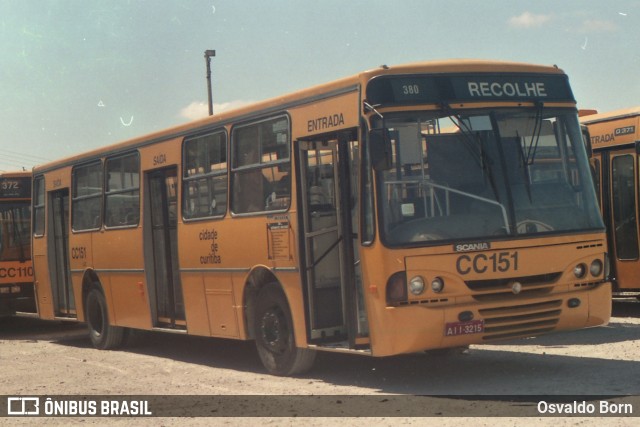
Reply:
x=497, y=384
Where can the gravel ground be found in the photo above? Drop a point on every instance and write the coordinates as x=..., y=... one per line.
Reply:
x=500, y=384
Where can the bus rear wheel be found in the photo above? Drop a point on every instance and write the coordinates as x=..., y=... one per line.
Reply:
x=103, y=335
x=275, y=341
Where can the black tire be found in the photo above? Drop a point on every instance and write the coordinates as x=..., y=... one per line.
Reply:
x=103, y=336
x=273, y=329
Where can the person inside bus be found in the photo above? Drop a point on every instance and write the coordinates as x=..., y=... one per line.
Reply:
x=250, y=187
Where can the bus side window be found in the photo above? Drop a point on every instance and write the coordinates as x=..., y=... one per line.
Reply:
x=86, y=206
x=205, y=176
x=38, y=206
x=122, y=193
x=261, y=161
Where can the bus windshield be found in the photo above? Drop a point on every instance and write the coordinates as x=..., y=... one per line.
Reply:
x=473, y=175
x=15, y=243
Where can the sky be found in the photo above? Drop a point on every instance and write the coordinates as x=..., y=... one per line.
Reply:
x=81, y=74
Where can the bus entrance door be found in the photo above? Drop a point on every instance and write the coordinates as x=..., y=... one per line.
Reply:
x=326, y=238
x=165, y=288
x=64, y=302
x=623, y=226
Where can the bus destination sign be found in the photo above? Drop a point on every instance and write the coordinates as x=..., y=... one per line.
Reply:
x=15, y=188
x=453, y=88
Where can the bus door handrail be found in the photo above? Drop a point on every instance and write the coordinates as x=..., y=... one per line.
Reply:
x=321, y=257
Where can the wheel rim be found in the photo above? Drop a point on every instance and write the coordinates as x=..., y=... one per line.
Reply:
x=274, y=330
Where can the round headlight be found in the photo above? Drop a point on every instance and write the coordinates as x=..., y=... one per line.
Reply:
x=596, y=268
x=437, y=285
x=580, y=270
x=416, y=285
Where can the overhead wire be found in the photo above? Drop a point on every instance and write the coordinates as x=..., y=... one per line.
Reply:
x=12, y=160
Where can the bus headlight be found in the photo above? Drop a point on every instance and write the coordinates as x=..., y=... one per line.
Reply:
x=397, y=287
x=596, y=268
x=416, y=285
x=579, y=271
x=437, y=285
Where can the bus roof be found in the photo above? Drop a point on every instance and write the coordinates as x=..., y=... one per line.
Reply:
x=612, y=129
x=343, y=85
x=15, y=174
x=610, y=115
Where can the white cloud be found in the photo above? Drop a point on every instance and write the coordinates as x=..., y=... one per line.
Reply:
x=597, y=25
x=198, y=110
x=195, y=110
x=528, y=20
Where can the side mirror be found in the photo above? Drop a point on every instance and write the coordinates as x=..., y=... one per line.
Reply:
x=380, y=149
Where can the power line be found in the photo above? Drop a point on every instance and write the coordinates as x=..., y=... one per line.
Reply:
x=16, y=154
x=17, y=162
x=13, y=160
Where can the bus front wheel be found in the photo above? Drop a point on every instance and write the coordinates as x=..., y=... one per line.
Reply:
x=103, y=335
x=275, y=341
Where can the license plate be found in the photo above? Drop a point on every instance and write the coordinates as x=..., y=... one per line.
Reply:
x=463, y=328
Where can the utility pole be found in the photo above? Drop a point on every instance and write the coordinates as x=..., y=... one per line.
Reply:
x=207, y=57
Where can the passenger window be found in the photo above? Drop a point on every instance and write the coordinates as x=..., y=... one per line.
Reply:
x=261, y=167
x=38, y=206
x=122, y=195
x=205, y=176
x=86, y=208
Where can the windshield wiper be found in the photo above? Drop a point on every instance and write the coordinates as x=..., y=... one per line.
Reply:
x=535, y=135
x=470, y=141
x=488, y=172
x=530, y=155
x=524, y=163
x=465, y=131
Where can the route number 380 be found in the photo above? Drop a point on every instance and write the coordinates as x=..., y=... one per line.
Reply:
x=410, y=89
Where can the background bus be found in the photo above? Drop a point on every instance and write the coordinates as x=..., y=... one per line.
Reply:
x=615, y=144
x=394, y=211
x=16, y=271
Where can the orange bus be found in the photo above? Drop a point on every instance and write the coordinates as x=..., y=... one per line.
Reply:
x=615, y=144
x=390, y=212
x=16, y=271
